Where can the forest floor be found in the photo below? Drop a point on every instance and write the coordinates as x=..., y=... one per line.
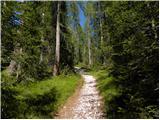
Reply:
x=85, y=103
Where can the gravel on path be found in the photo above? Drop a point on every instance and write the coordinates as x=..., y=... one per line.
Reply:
x=86, y=103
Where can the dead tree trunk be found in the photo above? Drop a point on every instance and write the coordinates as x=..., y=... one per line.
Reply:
x=57, y=52
x=42, y=40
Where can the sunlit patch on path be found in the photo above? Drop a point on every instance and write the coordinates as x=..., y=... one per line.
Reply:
x=89, y=101
x=86, y=105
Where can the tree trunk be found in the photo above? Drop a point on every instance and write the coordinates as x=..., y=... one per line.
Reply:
x=89, y=44
x=12, y=67
x=57, y=52
x=89, y=51
x=18, y=72
x=101, y=36
x=101, y=42
x=42, y=40
x=15, y=67
x=78, y=47
x=41, y=55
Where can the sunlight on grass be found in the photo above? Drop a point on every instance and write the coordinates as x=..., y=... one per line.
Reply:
x=106, y=86
x=43, y=99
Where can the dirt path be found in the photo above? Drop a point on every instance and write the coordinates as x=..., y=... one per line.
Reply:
x=84, y=104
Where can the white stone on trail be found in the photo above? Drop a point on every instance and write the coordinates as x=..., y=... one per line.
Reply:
x=88, y=104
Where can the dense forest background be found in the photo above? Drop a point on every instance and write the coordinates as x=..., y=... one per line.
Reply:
x=44, y=40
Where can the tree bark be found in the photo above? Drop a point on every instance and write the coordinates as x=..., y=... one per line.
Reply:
x=42, y=40
x=57, y=52
x=89, y=51
x=15, y=67
x=41, y=55
x=12, y=67
x=89, y=43
x=101, y=35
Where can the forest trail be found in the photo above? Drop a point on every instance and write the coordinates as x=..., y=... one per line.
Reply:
x=86, y=103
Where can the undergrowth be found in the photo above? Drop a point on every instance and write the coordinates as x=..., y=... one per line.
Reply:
x=38, y=99
x=117, y=103
x=108, y=89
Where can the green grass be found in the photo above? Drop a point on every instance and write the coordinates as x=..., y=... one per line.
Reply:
x=40, y=99
x=107, y=88
x=117, y=104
